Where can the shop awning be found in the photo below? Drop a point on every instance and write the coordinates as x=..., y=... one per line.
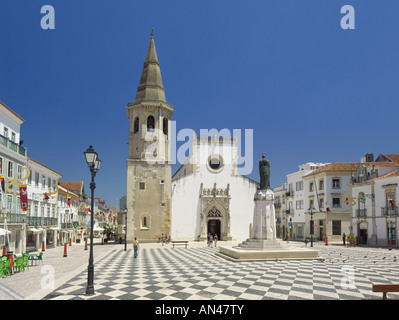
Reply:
x=4, y=232
x=34, y=230
x=98, y=229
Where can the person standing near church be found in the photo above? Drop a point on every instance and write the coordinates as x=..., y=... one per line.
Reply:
x=163, y=239
x=136, y=248
x=215, y=239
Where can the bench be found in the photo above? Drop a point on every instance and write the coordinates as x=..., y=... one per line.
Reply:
x=179, y=243
x=384, y=288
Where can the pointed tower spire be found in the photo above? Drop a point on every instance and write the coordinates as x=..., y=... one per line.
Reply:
x=151, y=87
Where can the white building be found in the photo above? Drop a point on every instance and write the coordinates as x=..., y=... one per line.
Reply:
x=12, y=160
x=297, y=196
x=209, y=195
x=73, y=217
x=327, y=190
x=374, y=201
x=42, y=216
x=280, y=206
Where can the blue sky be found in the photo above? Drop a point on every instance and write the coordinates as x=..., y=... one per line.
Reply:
x=310, y=90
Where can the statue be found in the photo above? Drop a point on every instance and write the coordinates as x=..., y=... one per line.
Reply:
x=264, y=173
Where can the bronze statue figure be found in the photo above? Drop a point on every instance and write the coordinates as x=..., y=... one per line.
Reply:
x=264, y=173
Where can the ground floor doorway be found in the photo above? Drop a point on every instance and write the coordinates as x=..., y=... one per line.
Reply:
x=391, y=231
x=214, y=228
x=31, y=241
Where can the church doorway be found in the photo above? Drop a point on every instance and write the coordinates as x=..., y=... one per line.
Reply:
x=214, y=228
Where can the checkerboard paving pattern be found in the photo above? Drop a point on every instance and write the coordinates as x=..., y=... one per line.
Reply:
x=167, y=273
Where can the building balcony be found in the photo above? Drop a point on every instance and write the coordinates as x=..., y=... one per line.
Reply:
x=389, y=211
x=12, y=145
x=16, y=218
x=41, y=221
x=361, y=213
x=289, y=211
x=289, y=193
x=68, y=225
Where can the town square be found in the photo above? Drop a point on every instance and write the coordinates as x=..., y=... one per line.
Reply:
x=164, y=152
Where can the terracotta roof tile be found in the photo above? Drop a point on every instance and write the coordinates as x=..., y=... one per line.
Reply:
x=75, y=186
x=336, y=167
x=380, y=164
x=393, y=157
x=391, y=174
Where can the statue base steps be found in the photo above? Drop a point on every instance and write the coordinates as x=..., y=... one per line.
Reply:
x=264, y=250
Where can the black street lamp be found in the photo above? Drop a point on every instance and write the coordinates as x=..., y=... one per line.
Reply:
x=94, y=164
x=311, y=211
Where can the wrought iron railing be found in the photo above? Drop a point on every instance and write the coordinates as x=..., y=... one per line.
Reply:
x=361, y=213
x=390, y=211
x=12, y=145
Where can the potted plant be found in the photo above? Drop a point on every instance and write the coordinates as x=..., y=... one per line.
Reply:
x=351, y=239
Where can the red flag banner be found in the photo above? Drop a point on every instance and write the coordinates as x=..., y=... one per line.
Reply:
x=392, y=203
x=23, y=196
x=2, y=184
x=69, y=201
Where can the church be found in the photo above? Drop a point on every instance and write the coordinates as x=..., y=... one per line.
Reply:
x=205, y=195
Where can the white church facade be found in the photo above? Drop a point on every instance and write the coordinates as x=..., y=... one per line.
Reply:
x=209, y=195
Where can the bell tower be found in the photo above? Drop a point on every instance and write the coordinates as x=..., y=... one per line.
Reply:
x=149, y=169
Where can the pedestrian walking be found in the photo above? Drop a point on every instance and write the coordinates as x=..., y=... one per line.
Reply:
x=136, y=247
x=288, y=237
x=216, y=239
x=210, y=240
x=207, y=239
x=163, y=239
x=344, y=239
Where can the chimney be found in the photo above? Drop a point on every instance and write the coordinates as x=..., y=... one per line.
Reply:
x=369, y=157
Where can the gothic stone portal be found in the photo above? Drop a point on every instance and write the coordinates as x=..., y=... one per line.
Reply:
x=214, y=222
x=215, y=212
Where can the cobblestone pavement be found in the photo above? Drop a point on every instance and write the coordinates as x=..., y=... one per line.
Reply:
x=195, y=273
x=32, y=283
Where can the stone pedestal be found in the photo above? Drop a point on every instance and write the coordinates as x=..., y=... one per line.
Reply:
x=264, y=245
x=264, y=222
